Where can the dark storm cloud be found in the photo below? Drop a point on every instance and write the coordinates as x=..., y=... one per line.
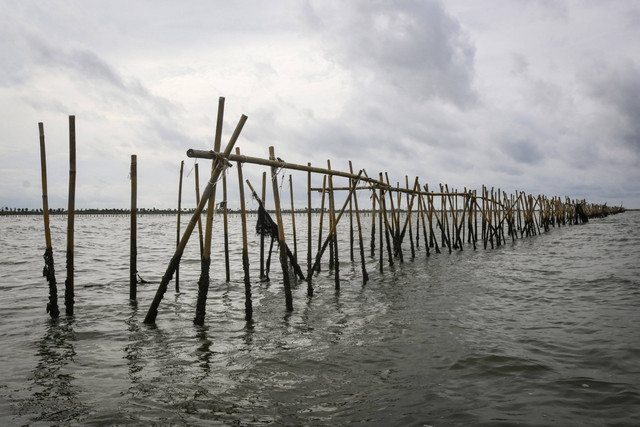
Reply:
x=523, y=151
x=412, y=45
x=619, y=87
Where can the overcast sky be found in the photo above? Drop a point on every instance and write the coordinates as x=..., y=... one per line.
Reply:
x=541, y=96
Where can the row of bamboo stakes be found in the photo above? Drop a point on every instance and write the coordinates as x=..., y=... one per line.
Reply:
x=446, y=218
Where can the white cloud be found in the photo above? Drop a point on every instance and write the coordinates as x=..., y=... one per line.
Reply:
x=535, y=96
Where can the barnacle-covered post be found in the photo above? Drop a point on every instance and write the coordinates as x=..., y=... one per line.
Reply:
x=48, y=271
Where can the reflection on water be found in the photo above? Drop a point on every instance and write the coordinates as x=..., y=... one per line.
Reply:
x=540, y=332
x=55, y=396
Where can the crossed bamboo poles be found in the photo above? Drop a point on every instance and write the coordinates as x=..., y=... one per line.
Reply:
x=456, y=217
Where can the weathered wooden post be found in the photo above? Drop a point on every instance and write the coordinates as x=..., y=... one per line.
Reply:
x=293, y=220
x=48, y=271
x=225, y=224
x=264, y=193
x=178, y=224
x=324, y=187
x=69, y=292
x=334, y=235
x=175, y=259
x=200, y=237
x=354, y=195
x=133, y=249
x=248, y=307
x=309, y=219
x=373, y=224
x=281, y=242
x=208, y=200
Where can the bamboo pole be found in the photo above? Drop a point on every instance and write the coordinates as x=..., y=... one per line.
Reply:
x=133, y=251
x=350, y=220
x=178, y=225
x=208, y=200
x=373, y=225
x=309, y=218
x=248, y=307
x=334, y=231
x=281, y=242
x=225, y=223
x=293, y=220
x=324, y=184
x=175, y=259
x=365, y=276
x=69, y=283
x=331, y=231
x=48, y=271
x=413, y=250
x=200, y=237
x=380, y=207
x=263, y=200
x=206, y=259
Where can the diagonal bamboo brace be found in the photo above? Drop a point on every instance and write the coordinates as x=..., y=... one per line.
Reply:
x=175, y=260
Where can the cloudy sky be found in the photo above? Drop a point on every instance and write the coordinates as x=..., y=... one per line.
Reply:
x=534, y=95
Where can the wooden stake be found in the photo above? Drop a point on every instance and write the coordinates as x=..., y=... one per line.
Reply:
x=225, y=222
x=208, y=200
x=309, y=220
x=200, y=236
x=365, y=276
x=334, y=233
x=293, y=221
x=48, y=271
x=133, y=251
x=69, y=283
x=281, y=242
x=178, y=225
x=324, y=186
x=175, y=260
x=248, y=307
x=263, y=200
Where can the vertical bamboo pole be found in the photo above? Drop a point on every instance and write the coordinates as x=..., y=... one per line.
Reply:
x=324, y=186
x=133, y=251
x=203, y=282
x=373, y=223
x=178, y=225
x=380, y=207
x=334, y=225
x=383, y=207
x=225, y=214
x=281, y=242
x=365, y=276
x=208, y=200
x=248, y=307
x=309, y=286
x=413, y=251
x=350, y=221
x=308, y=219
x=69, y=283
x=264, y=191
x=200, y=237
x=48, y=271
x=206, y=259
x=293, y=220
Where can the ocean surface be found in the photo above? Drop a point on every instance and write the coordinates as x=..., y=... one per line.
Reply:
x=543, y=331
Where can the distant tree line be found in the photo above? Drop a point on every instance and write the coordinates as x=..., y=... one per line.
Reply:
x=119, y=211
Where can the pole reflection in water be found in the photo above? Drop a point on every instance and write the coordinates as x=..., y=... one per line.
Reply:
x=55, y=396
